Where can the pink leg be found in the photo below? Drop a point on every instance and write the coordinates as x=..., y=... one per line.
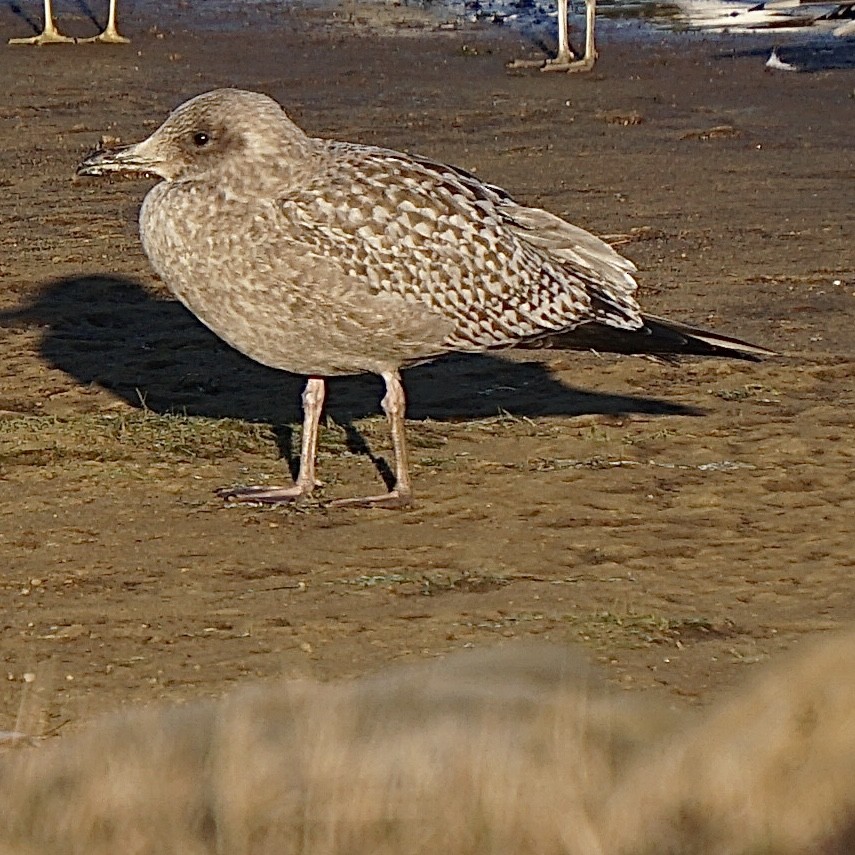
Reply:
x=394, y=405
x=313, y=404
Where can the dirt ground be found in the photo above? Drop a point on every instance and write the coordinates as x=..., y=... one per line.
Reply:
x=682, y=522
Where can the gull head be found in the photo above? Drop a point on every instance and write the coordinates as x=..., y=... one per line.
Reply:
x=223, y=136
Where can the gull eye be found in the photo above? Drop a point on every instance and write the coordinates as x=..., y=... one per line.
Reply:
x=201, y=139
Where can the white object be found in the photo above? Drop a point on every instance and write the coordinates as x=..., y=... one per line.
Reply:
x=778, y=64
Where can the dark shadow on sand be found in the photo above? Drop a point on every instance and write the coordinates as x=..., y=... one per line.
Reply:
x=111, y=332
x=17, y=10
x=86, y=11
x=63, y=13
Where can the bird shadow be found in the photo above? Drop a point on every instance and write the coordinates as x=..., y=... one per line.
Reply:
x=28, y=19
x=86, y=11
x=82, y=7
x=113, y=333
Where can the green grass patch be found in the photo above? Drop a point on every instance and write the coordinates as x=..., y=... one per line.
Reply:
x=42, y=440
x=32, y=440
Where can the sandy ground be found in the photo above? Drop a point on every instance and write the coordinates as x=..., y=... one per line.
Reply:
x=682, y=522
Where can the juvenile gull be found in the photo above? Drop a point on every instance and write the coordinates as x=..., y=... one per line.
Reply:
x=328, y=258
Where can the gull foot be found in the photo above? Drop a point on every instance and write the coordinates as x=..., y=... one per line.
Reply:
x=526, y=63
x=570, y=64
x=388, y=501
x=263, y=495
x=47, y=38
x=105, y=38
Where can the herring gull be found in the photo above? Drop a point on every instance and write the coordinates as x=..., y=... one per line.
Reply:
x=51, y=35
x=327, y=258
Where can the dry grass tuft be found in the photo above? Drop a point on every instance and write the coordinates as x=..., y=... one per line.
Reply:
x=519, y=750
x=769, y=772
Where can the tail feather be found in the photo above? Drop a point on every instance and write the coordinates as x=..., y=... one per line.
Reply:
x=658, y=337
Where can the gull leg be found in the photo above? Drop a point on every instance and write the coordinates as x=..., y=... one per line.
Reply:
x=394, y=405
x=565, y=59
x=590, y=57
x=564, y=55
x=50, y=35
x=111, y=34
x=313, y=404
x=566, y=62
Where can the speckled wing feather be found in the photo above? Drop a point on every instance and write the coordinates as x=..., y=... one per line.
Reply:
x=263, y=289
x=501, y=272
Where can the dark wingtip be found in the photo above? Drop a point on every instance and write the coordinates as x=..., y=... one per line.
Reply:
x=658, y=337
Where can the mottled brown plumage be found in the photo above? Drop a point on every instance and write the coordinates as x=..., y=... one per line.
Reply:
x=325, y=258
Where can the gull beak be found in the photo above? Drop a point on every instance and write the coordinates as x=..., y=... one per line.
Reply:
x=127, y=159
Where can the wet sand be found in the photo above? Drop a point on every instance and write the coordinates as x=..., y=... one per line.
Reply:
x=681, y=522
